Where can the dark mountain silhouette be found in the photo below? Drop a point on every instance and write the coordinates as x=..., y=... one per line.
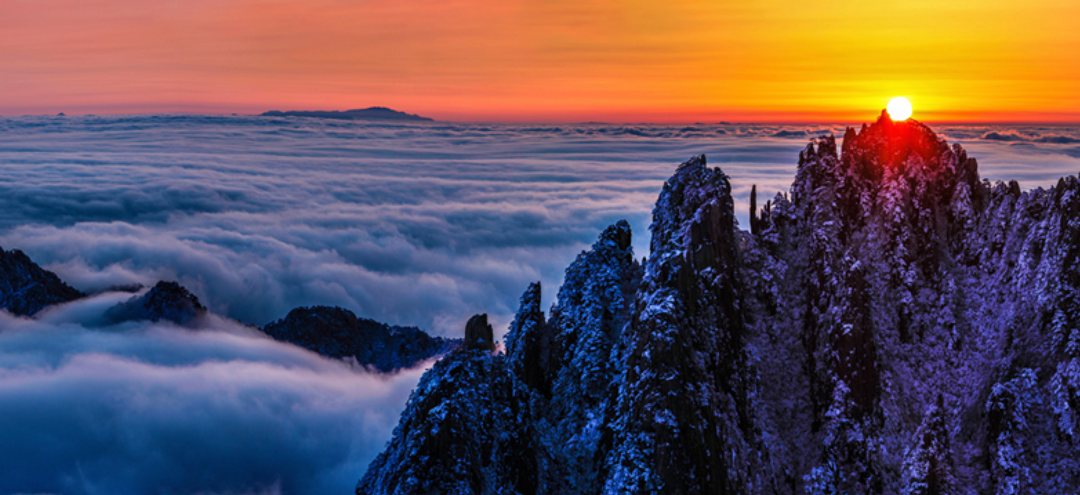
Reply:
x=167, y=301
x=373, y=113
x=26, y=288
x=338, y=333
x=892, y=325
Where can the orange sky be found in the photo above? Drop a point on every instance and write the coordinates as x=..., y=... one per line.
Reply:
x=547, y=60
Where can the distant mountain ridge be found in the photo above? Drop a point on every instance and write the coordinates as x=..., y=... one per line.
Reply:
x=26, y=289
x=336, y=332
x=372, y=113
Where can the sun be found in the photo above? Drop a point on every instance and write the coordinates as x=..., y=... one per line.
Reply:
x=899, y=108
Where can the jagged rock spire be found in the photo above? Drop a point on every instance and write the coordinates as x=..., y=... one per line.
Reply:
x=478, y=334
x=531, y=345
x=684, y=410
x=754, y=219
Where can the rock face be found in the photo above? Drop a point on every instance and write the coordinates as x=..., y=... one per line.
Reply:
x=167, y=301
x=571, y=363
x=336, y=332
x=26, y=288
x=478, y=334
x=684, y=417
x=894, y=325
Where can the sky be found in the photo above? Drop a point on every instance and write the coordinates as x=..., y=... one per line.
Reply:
x=547, y=61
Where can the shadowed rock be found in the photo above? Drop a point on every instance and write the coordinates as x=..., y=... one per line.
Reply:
x=167, y=301
x=26, y=288
x=338, y=333
x=478, y=334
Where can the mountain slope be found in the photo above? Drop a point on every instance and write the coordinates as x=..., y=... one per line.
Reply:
x=465, y=430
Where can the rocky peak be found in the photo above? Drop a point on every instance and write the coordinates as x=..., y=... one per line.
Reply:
x=693, y=185
x=530, y=343
x=890, y=144
x=26, y=288
x=689, y=209
x=478, y=334
x=165, y=301
x=616, y=238
x=684, y=406
x=909, y=150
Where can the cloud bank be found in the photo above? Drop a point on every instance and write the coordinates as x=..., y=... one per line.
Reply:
x=146, y=408
x=411, y=224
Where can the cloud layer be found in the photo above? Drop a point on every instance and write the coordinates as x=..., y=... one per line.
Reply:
x=141, y=408
x=416, y=224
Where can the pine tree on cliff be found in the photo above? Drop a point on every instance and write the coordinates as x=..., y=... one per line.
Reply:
x=464, y=430
x=571, y=362
x=929, y=467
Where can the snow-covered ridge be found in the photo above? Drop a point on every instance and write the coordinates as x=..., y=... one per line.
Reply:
x=894, y=324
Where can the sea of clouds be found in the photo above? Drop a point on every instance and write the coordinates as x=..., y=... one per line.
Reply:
x=417, y=224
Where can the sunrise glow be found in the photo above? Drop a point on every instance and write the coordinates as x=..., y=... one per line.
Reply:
x=488, y=60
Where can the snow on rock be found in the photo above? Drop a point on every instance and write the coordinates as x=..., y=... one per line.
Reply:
x=464, y=430
x=685, y=419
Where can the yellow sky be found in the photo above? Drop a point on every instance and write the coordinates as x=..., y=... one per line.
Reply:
x=552, y=60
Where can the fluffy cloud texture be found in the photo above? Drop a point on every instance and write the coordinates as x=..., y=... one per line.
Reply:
x=413, y=224
x=154, y=408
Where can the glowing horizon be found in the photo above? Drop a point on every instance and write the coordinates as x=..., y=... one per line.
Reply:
x=562, y=61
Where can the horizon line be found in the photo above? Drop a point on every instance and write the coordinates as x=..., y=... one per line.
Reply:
x=1062, y=123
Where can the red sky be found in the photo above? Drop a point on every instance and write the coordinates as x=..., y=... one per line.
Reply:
x=547, y=60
